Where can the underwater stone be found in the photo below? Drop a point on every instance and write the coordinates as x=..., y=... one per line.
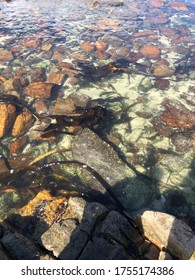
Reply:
x=150, y=51
x=133, y=192
x=17, y=145
x=38, y=90
x=87, y=47
x=22, y=123
x=56, y=78
x=163, y=70
x=101, y=46
x=8, y=200
x=7, y=116
x=5, y=55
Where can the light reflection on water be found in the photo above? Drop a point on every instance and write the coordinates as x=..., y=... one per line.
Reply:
x=65, y=25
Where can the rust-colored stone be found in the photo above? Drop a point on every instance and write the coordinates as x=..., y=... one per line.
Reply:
x=38, y=90
x=30, y=42
x=78, y=56
x=40, y=106
x=46, y=47
x=109, y=22
x=175, y=118
x=102, y=55
x=22, y=123
x=179, y=6
x=5, y=55
x=101, y=46
x=57, y=56
x=144, y=33
x=18, y=145
x=158, y=3
x=87, y=47
x=7, y=117
x=44, y=206
x=73, y=81
x=150, y=51
x=64, y=106
x=56, y=78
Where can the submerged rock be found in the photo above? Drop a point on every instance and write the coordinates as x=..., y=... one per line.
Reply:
x=133, y=192
x=5, y=55
x=56, y=78
x=177, y=122
x=87, y=47
x=22, y=123
x=163, y=70
x=150, y=51
x=38, y=90
x=7, y=116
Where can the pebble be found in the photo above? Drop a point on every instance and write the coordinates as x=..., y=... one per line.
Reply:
x=7, y=117
x=38, y=90
x=22, y=124
x=150, y=51
x=6, y=55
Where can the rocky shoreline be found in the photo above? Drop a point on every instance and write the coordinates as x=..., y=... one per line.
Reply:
x=89, y=230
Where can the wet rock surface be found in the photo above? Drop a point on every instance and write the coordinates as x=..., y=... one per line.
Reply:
x=7, y=116
x=177, y=122
x=38, y=90
x=168, y=232
x=133, y=192
x=90, y=231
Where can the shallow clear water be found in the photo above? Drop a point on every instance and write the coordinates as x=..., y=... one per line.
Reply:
x=152, y=100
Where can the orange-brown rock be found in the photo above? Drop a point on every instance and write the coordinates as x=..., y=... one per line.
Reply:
x=56, y=78
x=144, y=33
x=38, y=90
x=22, y=123
x=102, y=55
x=109, y=22
x=5, y=55
x=18, y=145
x=87, y=47
x=150, y=51
x=162, y=61
x=40, y=106
x=78, y=55
x=30, y=42
x=43, y=202
x=101, y=46
x=175, y=118
x=64, y=106
x=7, y=117
x=179, y=6
x=158, y=3
x=70, y=72
x=163, y=70
x=57, y=56
x=73, y=81
x=46, y=47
